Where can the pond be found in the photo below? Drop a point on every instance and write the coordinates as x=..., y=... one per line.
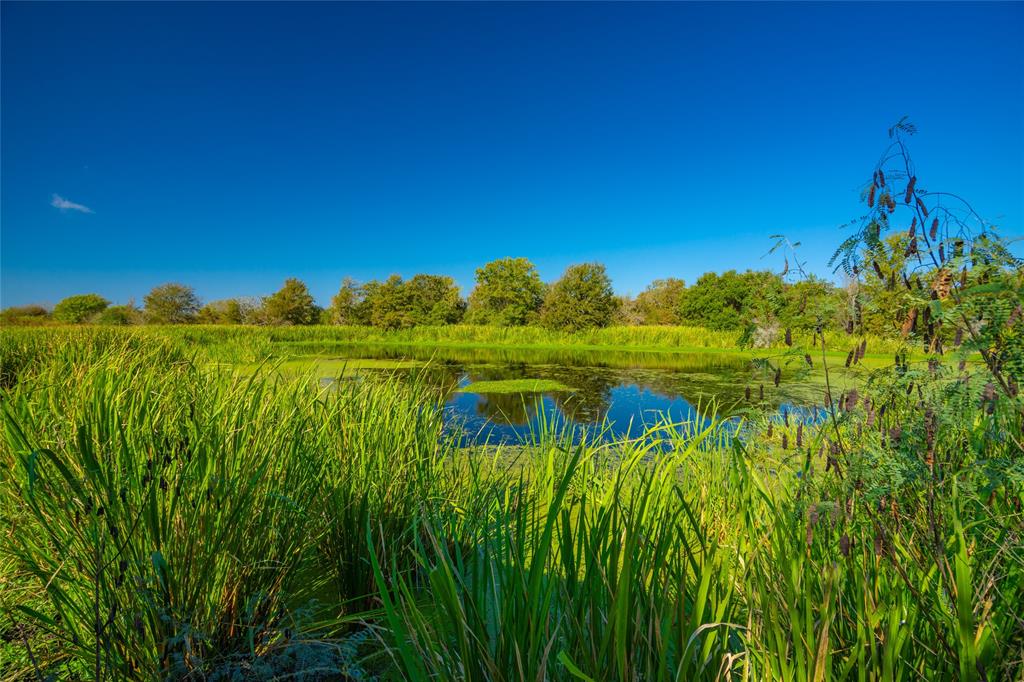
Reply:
x=616, y=393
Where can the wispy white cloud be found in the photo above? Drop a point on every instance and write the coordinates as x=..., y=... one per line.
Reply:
x=65, y=205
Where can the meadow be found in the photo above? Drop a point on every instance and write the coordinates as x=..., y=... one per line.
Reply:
x=166, y=516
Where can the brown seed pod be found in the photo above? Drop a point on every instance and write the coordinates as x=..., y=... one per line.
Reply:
x=778, y=377
x=910, y=322
x=760, y=392
x=844, y=545
x=785, y=417
x=910, y=189
x=789, y=337
x=851, y=400
x=921, y=207
x=871, y=197
x=771, y=429
x=747, y=394
x=942, y=253
x=878, y=269
x=807, y=359
x=800, y=435
x=849, y=326
x=881, y=178
x=935, y=229
x=913, y=229
x=849, y=357
x=785, y=442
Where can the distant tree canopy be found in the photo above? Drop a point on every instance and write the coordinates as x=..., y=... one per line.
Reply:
x=291, y=305
x=659, y=302
x=171, y=303
x=508, y=292
x=79, y=309
x=229, y=311
x=396, y=303
x=120, y=315
x=24, y=315
x=581, y=299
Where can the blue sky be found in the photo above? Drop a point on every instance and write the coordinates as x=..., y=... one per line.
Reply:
x=229, y=146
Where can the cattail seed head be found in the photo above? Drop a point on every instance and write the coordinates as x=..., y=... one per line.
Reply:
x=910, y=189
x=921, y=207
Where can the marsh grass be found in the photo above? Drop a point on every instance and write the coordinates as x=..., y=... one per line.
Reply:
x=167, y=517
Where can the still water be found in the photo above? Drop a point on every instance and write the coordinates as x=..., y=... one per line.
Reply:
x=619, y=393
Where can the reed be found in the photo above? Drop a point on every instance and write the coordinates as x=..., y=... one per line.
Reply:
x=165, y=516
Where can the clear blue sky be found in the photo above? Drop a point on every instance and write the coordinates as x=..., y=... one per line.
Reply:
x=229, y=146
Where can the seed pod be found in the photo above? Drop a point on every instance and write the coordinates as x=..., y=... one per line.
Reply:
x=771, y=429
x=807, y=359
x=871, y=197
x=910, y=189
x=778, y=377
x=747, y=394
x=849, y=357
x=844, y=545
x=849, y=326
x=913, y=229
x=800, y=435
x=935, y=229
x=878, y=269
x=910, y=322
x=785, y=417
x=942, y=253
x=1014, y=316
x=789, y=337
x=785, y=442
x=760, y=392
x=851, y=400
x=881, y=178
x=922, y=207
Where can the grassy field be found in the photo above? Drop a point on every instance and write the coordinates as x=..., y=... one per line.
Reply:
x=165, y=516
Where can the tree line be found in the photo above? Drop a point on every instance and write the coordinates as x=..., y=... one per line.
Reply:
x=507, y=292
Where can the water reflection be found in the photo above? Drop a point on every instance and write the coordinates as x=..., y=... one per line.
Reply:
x=630, y=389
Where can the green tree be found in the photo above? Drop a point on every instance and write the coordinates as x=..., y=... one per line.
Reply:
x=171, y=303
x=24, y=315
x=79, y=309
x=120, y=315
x=732, y=300
x=508, y=292
x=388, y=303
x=291, y=305
x=348, y=305
x=227, y=311
x=434, y=300
x=659, y=302
x=581, y=299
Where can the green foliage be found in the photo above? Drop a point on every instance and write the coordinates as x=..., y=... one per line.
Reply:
x=398, y=304
x=24, y=315
x=581, y=299
x=78, y=309
x=120, y=315
x=732, y=300
x=171, y=303
x=508, y=292
x=291, y=305
x=229, y=311
x=659, y=302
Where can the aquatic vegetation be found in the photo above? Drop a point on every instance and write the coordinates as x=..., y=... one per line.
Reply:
x=516, y=386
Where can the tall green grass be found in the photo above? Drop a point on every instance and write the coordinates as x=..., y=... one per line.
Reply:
x=166, y=517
